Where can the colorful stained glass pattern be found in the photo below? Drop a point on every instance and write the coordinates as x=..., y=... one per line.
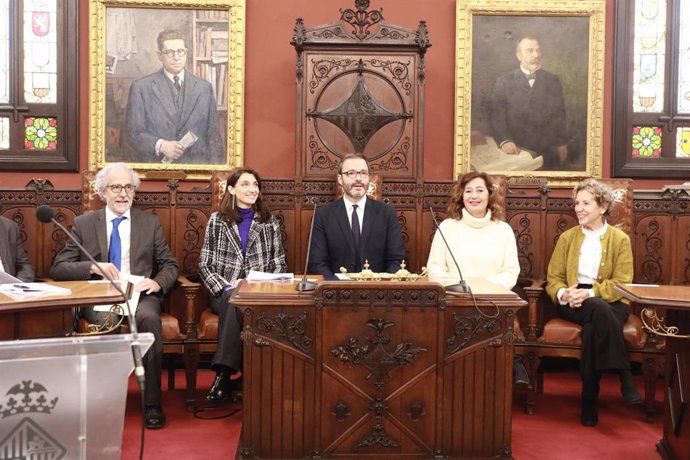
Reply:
x=4, y=133
x=683, y=142
x=684, y=59
x=646, y=142
x=40, y=133
x=40, y=51
x=4, y=52
x=649, y=45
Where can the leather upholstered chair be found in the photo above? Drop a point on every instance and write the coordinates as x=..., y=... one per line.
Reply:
x=560, y=338
x=173, y=337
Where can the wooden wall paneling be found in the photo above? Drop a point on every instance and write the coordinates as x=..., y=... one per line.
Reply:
x=653, y=249
x=682, y=273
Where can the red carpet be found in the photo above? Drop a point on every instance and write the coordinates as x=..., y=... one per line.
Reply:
x=553, y=433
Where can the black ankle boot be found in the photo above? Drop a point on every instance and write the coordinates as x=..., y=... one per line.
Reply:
x=629, y=389
x=221, y=388
x=589, y=415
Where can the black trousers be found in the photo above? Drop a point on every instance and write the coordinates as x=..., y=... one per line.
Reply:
x=229, y=351
x=603, y=344
x=148, y=318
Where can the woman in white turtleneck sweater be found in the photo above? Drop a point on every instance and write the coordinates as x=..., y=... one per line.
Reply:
x=483, y=245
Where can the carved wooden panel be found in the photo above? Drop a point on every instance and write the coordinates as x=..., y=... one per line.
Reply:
x=398, y=370
x=360, y=88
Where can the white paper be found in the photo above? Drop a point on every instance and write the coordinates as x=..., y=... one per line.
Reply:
x=490, y=157
x=7, y=278
x=24, y=291
x=342, y=277
x=255, y=275
x=133, y=298
x=188, y=139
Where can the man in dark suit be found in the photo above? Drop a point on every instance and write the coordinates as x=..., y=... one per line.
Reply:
x=13, y=258
x=343, y=239
x=528, y=109
x=171, y=114
x=125, y=241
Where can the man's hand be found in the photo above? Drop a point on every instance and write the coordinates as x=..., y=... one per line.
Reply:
x=510, y=148
x=562, y=153
x=172, y=150
x=148, y=286
x=108, y=268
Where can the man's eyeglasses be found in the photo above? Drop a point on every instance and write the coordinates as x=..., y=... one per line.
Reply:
x=117, y=188
x=352, y=174
x=171, y=53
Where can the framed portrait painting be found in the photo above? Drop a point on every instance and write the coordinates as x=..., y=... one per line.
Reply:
x=530, y=88
x=166, y=85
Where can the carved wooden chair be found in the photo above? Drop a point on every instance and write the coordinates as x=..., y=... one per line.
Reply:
x=550, y=336
x=173, y=337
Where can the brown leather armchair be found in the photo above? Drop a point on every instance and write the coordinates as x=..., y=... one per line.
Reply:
x=549, y=336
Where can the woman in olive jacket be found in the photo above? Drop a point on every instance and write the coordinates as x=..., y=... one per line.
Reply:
x=586, y=264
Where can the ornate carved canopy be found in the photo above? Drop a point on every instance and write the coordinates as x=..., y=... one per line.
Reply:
x=360, y=88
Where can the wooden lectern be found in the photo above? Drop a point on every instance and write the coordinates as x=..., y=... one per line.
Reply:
x=676, y=441
x=376, y=370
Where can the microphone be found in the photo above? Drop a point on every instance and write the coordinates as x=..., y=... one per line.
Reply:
x=462, y=286
x=305, y=285
x=45, y=214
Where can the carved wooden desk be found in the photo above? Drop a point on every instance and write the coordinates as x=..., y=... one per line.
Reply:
x=376, y=370
x=51, y=316
x=676, y=441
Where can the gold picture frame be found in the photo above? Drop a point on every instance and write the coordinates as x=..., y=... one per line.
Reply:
x=569, y=38
x=126, y=71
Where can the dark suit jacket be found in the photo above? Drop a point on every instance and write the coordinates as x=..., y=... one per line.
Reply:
x=14, y=258
x=332, y=245
x=533, y=118
x=152, y=114
x=149, y=254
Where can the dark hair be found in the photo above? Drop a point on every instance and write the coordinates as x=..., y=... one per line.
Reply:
x=170, y=34
x=227, y=210
x=456, y=204
x=351, y=156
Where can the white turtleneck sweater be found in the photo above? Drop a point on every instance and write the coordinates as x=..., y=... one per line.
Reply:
x=484, y=248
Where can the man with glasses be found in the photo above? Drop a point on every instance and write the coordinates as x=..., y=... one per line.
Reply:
x=125, y=241
x=171, y=114
x=355, y=229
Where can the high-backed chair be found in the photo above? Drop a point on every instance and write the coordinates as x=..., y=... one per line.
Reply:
x=556, y=337
x=173, y=337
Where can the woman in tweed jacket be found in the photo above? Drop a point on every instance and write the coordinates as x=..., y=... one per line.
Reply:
x=586, y=264
x=241, y=236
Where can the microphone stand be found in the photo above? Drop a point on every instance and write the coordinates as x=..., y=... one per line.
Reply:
x=304, y=285
x=462, y=286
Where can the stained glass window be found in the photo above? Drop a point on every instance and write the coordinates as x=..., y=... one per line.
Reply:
x=4, y=52
x=40, y=133
x=646, y=141
x=4, y=133
x=40, y=51
x=652, y=89
x=649, y=55
x=39, y=84
x=683, y=143
x=684, y=59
